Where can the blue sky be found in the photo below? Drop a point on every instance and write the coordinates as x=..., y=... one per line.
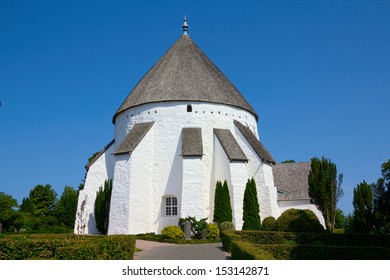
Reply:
x=316, y=72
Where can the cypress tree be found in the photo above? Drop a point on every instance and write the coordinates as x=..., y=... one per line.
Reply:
x=228, y=216
x=251, y=208
x=218, y=203
x=102, y=206
x=222, y=206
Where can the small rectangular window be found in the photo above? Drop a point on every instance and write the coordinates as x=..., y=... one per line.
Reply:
x=171, y=206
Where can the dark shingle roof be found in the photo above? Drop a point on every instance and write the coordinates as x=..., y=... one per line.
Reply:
x=185, y=73
x=230, y=145
x=192, y=141
x=261, y=151
x=133, y=138
x=291, y=179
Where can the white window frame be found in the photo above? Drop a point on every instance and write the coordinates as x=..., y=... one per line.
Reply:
x=170, y=206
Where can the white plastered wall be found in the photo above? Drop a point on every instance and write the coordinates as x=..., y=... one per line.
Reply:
x=262, y=173
x=102, y=169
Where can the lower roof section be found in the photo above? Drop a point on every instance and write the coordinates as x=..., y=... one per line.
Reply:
x=230, y=145
x=259, y=148
x=133, y=138
x=192, y=141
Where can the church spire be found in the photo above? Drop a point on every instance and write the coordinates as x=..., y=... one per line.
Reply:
x=185, y=25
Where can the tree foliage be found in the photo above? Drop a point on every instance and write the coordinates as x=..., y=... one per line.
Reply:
x=8, y=211
x=251, y=216
x=371, y=204
x=102, y=206
x=40, y=201
x=325, y=189
x=66, y=207
x=222, y=206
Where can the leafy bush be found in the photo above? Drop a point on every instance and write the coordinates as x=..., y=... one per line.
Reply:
x=173, y=232
x=66, y=247
x=268, y=224
x=212, y=231
x=297, y=220
x=197, y=226
x=226, y=226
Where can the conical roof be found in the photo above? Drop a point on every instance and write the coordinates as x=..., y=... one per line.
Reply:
x=185, y=73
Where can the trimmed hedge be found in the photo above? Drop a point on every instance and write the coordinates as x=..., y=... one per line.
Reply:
x=275, y=237
x=311, y=246
x=228, y=236
x=66, y=247
x=298, y=220
x=241, y=250
x=321, y=252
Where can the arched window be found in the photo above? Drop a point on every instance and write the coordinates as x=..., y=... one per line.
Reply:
x=189, y=108
x=170, y=206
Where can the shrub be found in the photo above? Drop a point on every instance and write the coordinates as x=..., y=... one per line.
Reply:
x=197, y=226
x=66, y=247
x=212, y=231
x=226, y=226
x=173, y=232
x=268, y=224
x=297, y=220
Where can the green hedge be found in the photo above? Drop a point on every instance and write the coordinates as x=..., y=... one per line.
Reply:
x=66, y=247
x=301, y=246
x=321, y=252
x=275, y=237
x=241, y=250
x=227, y=237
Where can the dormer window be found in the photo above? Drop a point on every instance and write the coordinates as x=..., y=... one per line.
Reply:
x=189, y=108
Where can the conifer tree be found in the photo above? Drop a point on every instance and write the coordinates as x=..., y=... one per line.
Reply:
x=228, y=216
x=222, y=206
x=251, y=216
x=218, y=203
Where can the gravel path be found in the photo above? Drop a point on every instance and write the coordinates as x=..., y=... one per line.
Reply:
x=164, y=251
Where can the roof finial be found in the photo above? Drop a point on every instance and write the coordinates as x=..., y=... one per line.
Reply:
x=185, y=25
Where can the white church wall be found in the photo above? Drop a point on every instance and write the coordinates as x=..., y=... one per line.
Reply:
x=98, y=172
x=220, y=172
x=166, y=164
x=301, y=204
x=170, y=118
x=262, y=173
x=272, y=205
x=141, y=186
x=192, y=195
x=239, y=178
x=120, y=196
